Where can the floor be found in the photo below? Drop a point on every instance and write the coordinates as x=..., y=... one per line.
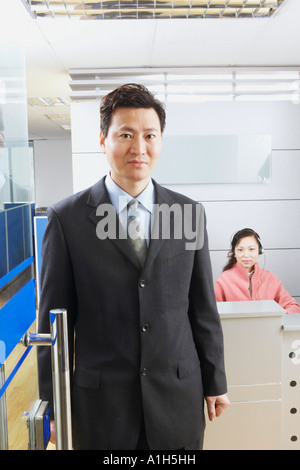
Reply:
x=21, y=394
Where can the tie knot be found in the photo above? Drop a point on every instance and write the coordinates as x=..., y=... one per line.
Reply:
x=133, y=205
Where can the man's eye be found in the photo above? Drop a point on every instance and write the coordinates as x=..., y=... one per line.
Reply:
x=150, y=136
x=126, y=136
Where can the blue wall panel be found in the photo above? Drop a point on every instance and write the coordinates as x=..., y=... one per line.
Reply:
x=15, y=236
x=14, y=272
x=15, y=319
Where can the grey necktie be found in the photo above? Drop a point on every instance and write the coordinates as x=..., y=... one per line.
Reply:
x=134, y=231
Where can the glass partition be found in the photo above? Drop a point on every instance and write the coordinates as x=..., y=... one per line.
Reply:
x=18, y=387
x=16, y=167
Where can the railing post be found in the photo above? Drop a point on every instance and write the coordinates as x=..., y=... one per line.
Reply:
x=61, y=379
x=58, y=340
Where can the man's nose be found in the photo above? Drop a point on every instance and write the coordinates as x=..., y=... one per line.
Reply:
x=138, y=146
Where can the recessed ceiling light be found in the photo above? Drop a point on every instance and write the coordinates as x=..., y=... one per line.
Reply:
x=57, y=101
x=66, y=127
x=58, y=117
x=194, y=84
x=151, y=9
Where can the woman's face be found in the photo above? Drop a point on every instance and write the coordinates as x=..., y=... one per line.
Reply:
x=246, y=252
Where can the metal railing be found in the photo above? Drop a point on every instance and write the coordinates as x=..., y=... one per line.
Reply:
x=58, y=340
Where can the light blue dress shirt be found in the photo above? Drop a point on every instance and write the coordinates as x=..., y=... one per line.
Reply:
x=120, y=199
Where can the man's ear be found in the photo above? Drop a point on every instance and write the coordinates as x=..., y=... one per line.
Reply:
x=102, y=143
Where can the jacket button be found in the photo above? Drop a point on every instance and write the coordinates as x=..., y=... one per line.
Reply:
x=145, y=327
x=144, y=372
x=142, y=283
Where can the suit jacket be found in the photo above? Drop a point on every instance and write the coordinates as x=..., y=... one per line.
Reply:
x=147, y=342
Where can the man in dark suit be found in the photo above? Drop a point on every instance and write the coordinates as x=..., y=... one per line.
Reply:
x=139, y=295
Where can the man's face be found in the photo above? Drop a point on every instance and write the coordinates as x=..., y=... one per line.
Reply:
x=132, y=146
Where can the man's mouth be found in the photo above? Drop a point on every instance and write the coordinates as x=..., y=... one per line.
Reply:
x=137, y=163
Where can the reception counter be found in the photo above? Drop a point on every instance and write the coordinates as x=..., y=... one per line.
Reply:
x=262, y=359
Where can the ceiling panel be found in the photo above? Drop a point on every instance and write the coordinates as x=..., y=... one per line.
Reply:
x=112, y=43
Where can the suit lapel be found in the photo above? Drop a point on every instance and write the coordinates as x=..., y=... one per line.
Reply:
x=98, y=196
x=157, y=242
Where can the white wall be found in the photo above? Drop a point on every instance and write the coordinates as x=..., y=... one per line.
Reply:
x=53, y=171
x=273, y=209
x=89, y=165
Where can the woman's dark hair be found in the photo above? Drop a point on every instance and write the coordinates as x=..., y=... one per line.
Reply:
x=130, y=95
x=245, y=232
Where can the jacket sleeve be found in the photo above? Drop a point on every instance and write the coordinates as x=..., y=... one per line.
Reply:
x=286, y=301
x=206, y=323
x=57, y=291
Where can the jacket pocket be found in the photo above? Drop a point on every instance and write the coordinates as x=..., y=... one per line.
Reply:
x=87, y=378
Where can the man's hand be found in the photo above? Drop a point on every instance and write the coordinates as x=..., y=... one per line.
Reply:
x=216, y=405
x=52, y=431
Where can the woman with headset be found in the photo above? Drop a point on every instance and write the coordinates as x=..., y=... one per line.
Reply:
x=243, y=279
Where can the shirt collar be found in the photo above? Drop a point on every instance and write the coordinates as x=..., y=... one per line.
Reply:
x=120, y=198
x=146, y=198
